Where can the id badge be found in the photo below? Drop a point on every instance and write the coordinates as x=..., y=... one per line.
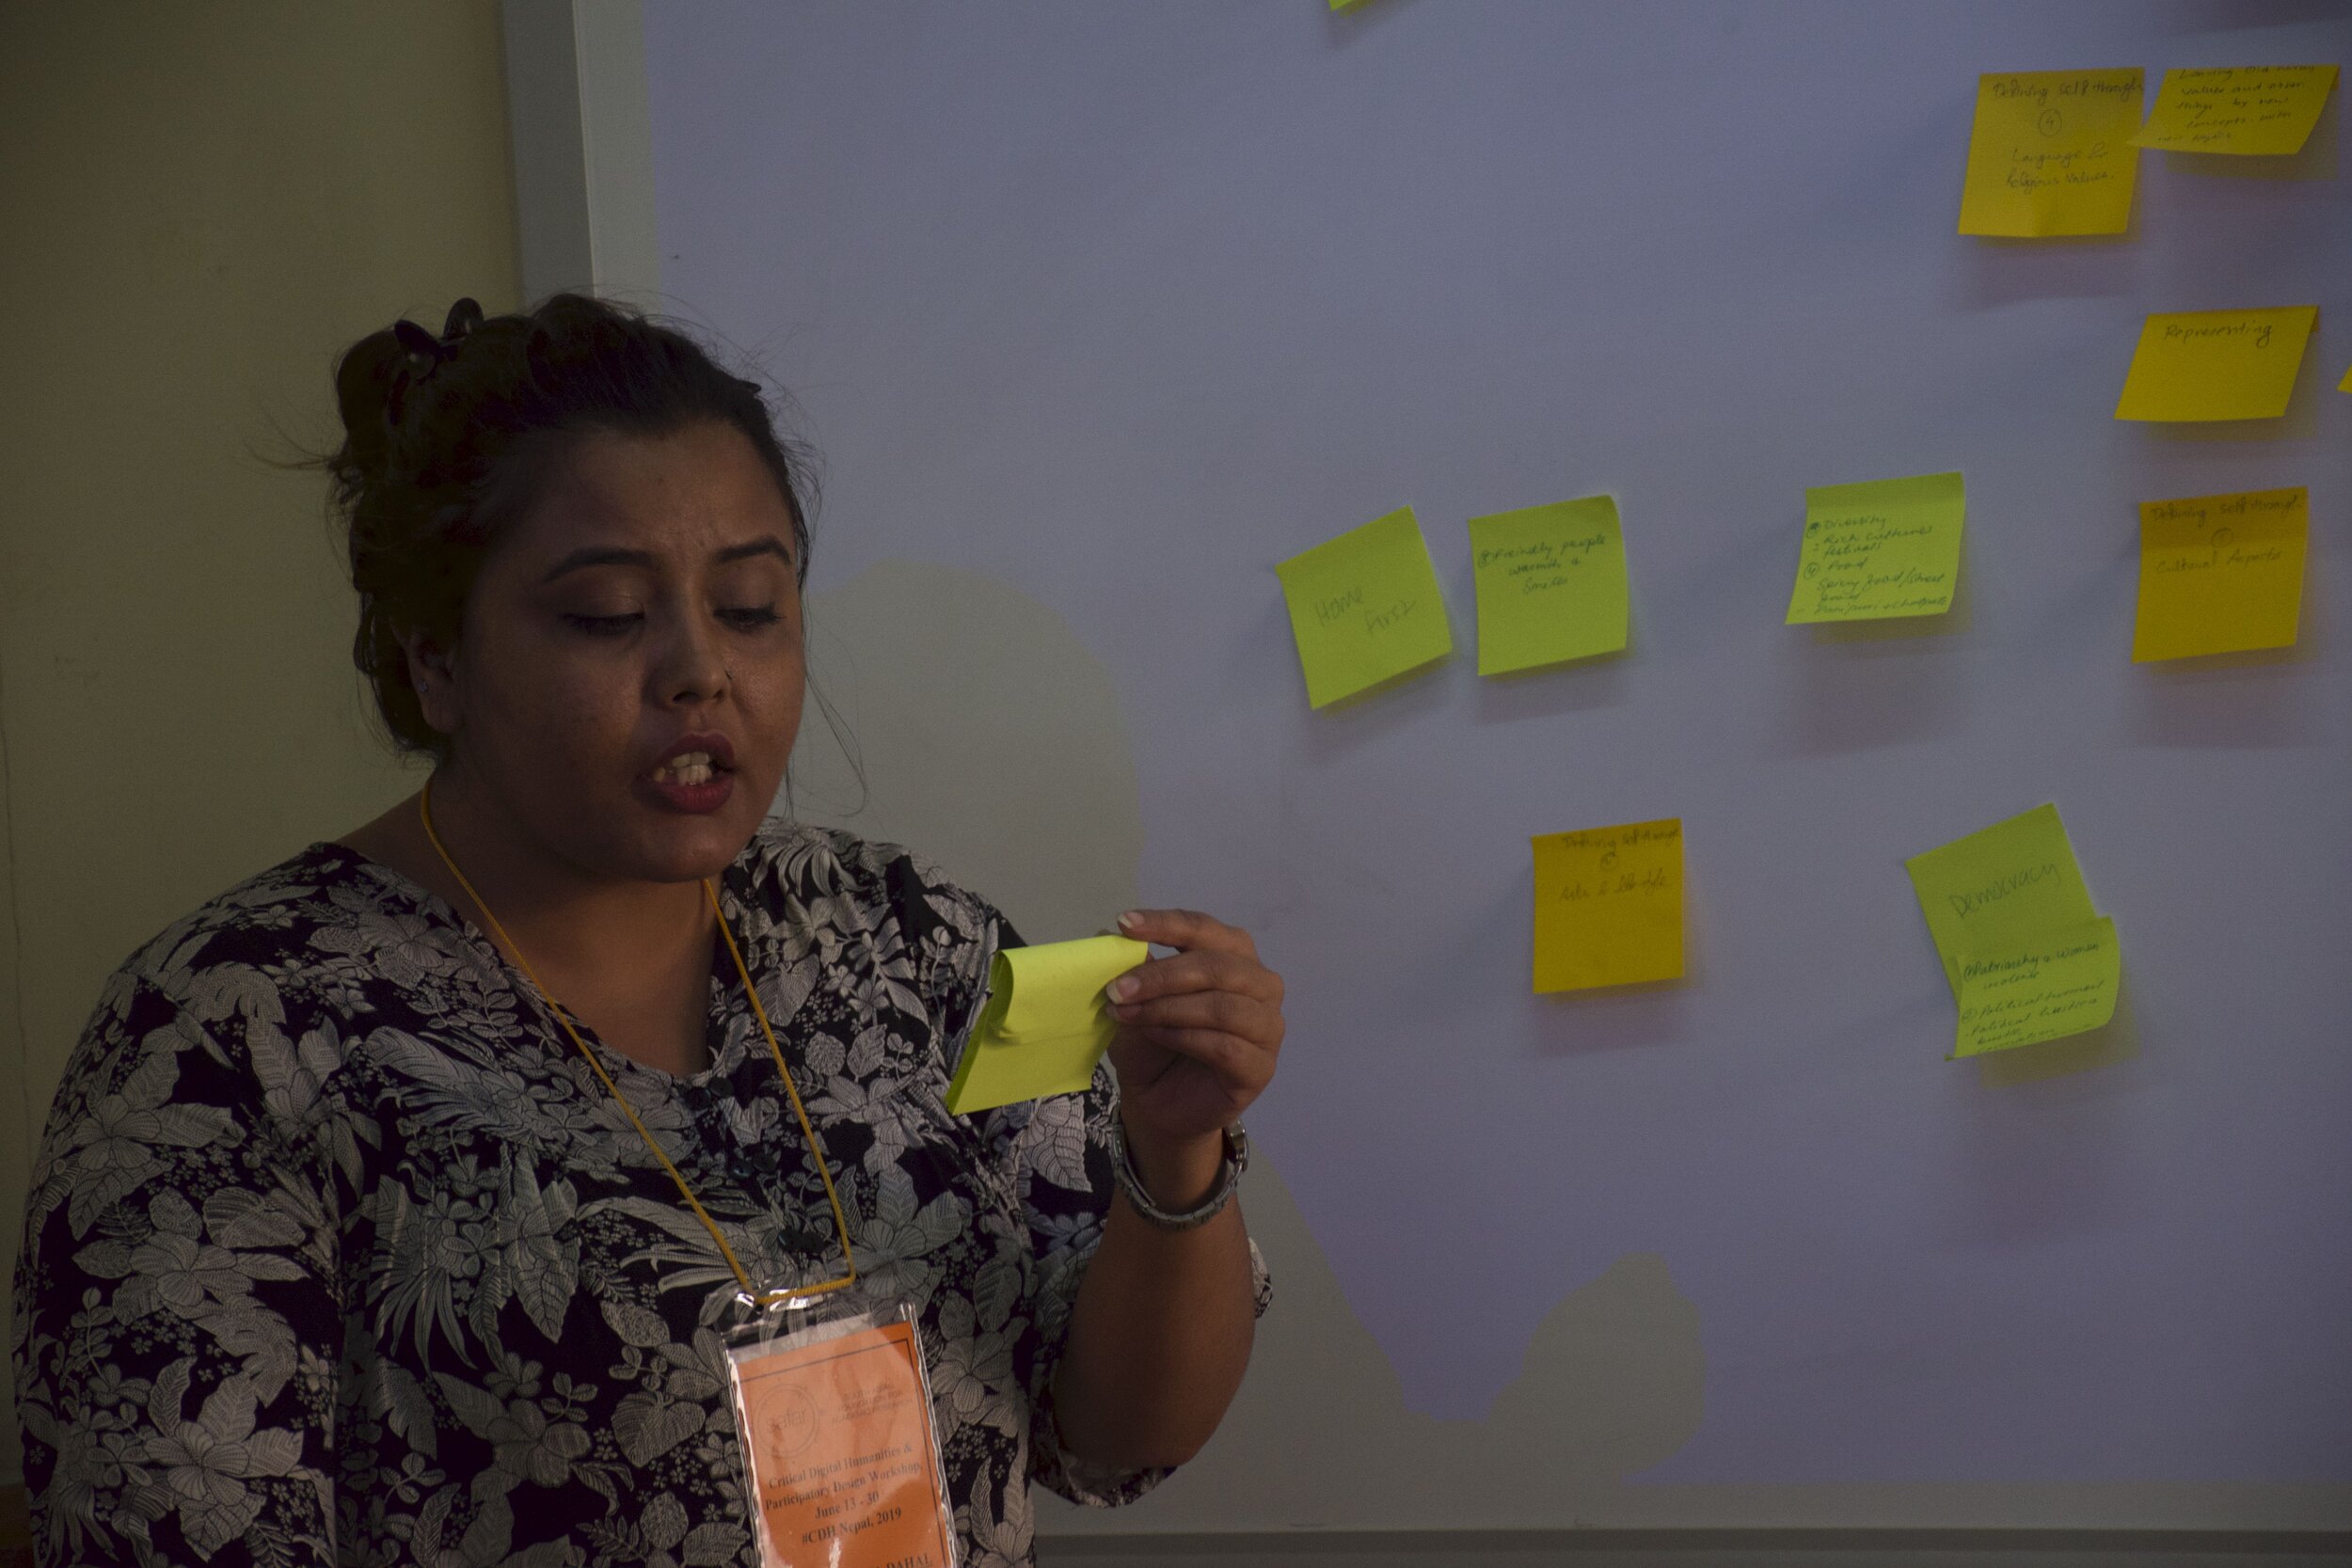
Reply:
x=838, y=1445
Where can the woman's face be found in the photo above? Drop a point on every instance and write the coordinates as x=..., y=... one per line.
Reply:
x=649, y=595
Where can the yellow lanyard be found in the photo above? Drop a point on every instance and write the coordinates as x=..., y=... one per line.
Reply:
x=841, y=1226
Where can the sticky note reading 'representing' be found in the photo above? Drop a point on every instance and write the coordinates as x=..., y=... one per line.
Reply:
x=1046, y=1023
x=1551, y=584
x=1365, y=608
x=2217, y=364
x=2258, y=109
x=1885, y=548
x=1609, y=906
x=2220, y=574
x=2050, y=153
x=2027, y=957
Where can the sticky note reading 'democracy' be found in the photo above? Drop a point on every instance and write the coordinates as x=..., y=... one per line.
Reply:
x=1365, y=608
x=1884, y=548
x=2050, y=153
x=2220, y=574
x=2217, y=364
x=2017, y=934
x=1609, y=906
x=1045, y=1024
x=1551, y=584
x=2257, y=109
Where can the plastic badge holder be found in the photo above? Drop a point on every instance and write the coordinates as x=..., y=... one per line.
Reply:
x=839, y=1443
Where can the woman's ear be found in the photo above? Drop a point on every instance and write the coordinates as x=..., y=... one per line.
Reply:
x=431, y=671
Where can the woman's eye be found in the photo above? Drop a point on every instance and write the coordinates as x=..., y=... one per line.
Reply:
x=604, y=625
x=753, y=616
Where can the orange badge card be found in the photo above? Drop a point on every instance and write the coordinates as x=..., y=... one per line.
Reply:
x=837, y=1437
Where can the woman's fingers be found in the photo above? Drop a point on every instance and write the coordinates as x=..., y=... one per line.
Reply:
x=1234, y=1013
x=1187, y=930
x=1197, y=969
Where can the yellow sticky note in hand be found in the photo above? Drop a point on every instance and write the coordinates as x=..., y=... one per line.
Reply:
x=2217, y=364
x=2257, y=109
x=2013, y=882
x=2050, y=153
x=1884, y=548
x=2220, y=574
x=1045, y=1024
x=1609, y=906
x=1551, y=584
x=1365, y=608
x=2057, y=985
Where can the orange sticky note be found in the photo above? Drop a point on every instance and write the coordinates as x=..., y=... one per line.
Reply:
x=1609, y=906
x=2220, y=574
x=2217, y=364
x=837, y=1435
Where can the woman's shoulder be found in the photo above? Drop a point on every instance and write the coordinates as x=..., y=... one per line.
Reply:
x=265, y=920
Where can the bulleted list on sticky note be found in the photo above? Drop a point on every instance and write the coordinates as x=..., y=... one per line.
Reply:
x=2050, y=153
x=1364, y=608
x=1884, y=548
x=1550, y=582
x=2217, y=364
x=2027, y=957
x=1046, y=1023
x=2220, y=574
x=2257, y=110
x=1609, y=906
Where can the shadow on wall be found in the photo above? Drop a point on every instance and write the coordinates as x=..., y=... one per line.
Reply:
x=993, y=741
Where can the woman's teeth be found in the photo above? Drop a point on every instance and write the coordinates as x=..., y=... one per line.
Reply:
x=693, y=767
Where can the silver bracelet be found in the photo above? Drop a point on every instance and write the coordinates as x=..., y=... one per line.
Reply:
x=1236, y=1161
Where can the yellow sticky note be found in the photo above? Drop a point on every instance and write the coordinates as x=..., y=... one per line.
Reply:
x=2050, y=153
x=2059, y=985
x=2217, y=364
x=2345, y=384
x=2220, y=574
x=1046, y=1023
x=2260, y=109
x=1551, y=584
x=1365, y=608
x=2012, y=884
x=1884, y=548
x=1609, y=906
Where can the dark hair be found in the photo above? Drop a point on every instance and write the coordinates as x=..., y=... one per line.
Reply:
x=448, y=440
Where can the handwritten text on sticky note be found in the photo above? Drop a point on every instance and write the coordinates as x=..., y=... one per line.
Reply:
x=1609, y=906
x=1364, y=608
x=2257, y=109
x=2217, y=364
x=1884, y=548
x=2001, y=885
x=1045, y=1024
x=2050, y=153
x=1551, y=584
x=2041, y=989
x=2220, y=574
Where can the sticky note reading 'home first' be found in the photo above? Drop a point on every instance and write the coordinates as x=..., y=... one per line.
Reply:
x=1551, y=584
x=2220, y=574
x=1046, y=1023
x=1365, y=608
x=1885, y=548
x=2050, y=153
x=1609, y=906
x=2257, y=109
x=2017, y=934
x=2217, y=364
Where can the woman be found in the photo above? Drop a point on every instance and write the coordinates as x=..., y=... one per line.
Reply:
x=396, y=1203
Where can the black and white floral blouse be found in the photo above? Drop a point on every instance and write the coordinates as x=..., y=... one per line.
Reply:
x=338, y=1252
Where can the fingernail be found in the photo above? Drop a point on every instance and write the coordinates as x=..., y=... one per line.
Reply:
x=1121, y=988
x=1127, y=921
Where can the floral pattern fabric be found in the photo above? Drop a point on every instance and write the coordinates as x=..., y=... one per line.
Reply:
x=338, y=1252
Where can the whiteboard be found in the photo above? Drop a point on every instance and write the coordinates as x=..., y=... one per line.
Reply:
x=1097, y=311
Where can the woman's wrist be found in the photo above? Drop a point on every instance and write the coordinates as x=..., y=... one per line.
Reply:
x=1177, y=1174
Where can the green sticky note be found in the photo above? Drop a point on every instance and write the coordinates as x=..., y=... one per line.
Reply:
x=1045, y=1024
x=1551, y=584
x=1877, y=550
x=2056, y=985
x=2013, y=882
x=1365, y=608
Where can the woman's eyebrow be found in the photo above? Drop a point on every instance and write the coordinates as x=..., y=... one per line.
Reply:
x=596, y=555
